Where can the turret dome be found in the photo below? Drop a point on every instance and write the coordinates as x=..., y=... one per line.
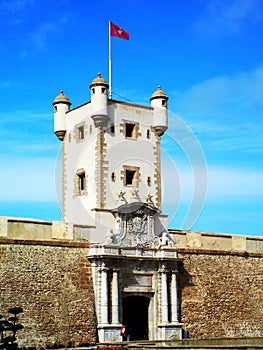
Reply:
x=159, y=93
x=61, y=98
x=99, y=81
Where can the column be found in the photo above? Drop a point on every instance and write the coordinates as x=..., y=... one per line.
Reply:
x=164, y=303
x=174, y=299
x=115, y=297
x=104, y=318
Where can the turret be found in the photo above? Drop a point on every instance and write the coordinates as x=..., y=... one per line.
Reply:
x=99, y=101
x=61, y=106
x=159, y=103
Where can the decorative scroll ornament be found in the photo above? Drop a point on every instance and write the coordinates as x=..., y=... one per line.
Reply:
x=138, y=225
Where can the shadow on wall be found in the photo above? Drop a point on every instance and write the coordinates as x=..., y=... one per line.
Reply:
x=185, y=280
x=9, y=327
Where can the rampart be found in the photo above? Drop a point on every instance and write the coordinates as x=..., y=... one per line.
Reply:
x=44, y=269
x=221, y=281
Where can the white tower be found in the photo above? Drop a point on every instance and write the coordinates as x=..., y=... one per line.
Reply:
x=111, y=154
x=111, y=182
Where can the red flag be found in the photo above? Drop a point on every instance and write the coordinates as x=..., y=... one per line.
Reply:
x=119, y=32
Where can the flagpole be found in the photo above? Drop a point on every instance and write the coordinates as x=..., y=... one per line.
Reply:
x=110, y=90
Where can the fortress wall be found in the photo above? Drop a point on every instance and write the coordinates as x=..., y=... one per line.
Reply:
x=220, y=282
x=33, y=229
x=217, y=241
x=52, y=282
x=221, y=294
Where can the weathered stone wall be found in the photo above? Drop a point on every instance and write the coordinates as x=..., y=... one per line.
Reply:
x=221, y=293
x=52, y=282
x=220, y=283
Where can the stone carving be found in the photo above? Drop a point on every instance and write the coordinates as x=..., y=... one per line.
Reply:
x=112, y=335
x=121, y=197
x=149, y=198
x=165, y=240
x=135, y=228
x=137, y=224
x=135, y=195
x=173, y=333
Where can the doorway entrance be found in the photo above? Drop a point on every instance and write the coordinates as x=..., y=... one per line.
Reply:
x=135, y=315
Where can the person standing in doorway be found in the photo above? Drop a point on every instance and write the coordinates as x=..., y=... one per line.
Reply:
x=123, y=333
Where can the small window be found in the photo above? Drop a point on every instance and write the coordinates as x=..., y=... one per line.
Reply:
x=81, y=182
x=55, y=109
x=113, y=177
x=131, y=130
x=81, y=132
x=164, y=103
x=112, y=129
x=129, y=175
x=103, y=90
x=149, y=181
x=148, y=134
x=93, y=91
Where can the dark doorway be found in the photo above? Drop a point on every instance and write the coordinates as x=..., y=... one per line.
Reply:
x=135, y=315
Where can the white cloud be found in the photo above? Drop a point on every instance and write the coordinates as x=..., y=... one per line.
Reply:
x=27, y=180
x=5, y=84
x=226, y=112
x=228, y=16
x=15, y=6
x=31, y=133
x=41, y=34
x=221, y=182
x=227, y=182
x=229, y=187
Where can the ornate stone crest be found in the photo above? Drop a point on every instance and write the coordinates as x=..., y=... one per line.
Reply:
x=135, y=224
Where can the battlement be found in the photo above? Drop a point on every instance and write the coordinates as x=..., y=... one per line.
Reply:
x=33, y=229
x=209, y=242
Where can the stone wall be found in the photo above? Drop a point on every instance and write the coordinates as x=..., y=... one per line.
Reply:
x=221, y=293
x=220, y=282
x=52, y=282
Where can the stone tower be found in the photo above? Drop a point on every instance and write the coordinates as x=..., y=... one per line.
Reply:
x=111, y=182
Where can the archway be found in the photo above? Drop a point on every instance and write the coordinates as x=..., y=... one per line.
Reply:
x=135, y=315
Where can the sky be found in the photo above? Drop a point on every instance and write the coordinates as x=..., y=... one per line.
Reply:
x=207, y=55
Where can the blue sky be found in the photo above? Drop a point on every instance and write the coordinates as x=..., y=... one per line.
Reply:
x=206, y=54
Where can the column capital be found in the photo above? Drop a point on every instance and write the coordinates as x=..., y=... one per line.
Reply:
x=103, y=267
x=116, y=269
x=163, y=269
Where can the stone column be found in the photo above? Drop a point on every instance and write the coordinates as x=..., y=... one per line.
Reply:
x=115, y=297
x=164, y=296
x=174, y=300
x=104, y=309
